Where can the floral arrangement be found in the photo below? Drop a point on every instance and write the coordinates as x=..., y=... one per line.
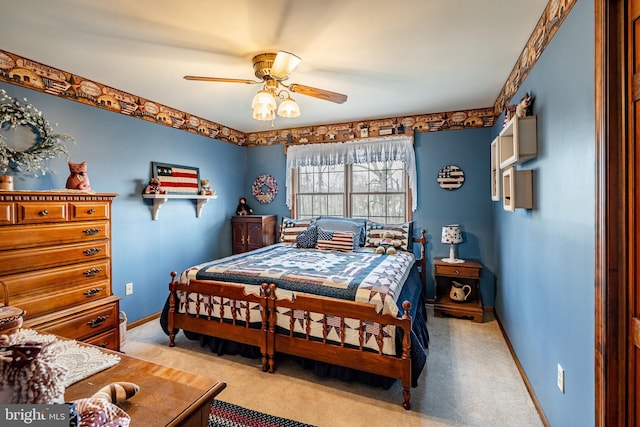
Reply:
x=258, y=188
x=48, y=144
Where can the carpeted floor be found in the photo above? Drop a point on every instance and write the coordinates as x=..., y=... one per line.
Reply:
x=470, y=380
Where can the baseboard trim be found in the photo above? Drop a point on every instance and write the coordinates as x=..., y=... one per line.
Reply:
x=144, y=320
x=527, y=384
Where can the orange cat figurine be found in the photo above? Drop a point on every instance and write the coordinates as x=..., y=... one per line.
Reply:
x=78, y=179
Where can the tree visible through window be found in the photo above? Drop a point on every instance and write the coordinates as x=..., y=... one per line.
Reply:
x=376, y=191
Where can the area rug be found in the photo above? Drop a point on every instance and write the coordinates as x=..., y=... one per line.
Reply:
x=225, y=414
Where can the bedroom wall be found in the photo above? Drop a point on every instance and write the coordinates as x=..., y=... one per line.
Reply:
x=119, y=150
x=469, y=206
x=545, y=286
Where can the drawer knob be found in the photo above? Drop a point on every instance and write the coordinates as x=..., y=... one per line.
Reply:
x=91, y=211
x=92, y=292
x=92, y=251
x=457, y=271
x=43, y=212
x=97, y=321
x=91, y=231
x=92, y=272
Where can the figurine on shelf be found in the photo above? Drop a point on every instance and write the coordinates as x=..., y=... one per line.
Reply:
x=154, y=187
x=525, y=106
x=243, y=208
x=206, y=189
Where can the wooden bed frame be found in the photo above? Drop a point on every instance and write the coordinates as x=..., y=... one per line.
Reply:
x=271, y=342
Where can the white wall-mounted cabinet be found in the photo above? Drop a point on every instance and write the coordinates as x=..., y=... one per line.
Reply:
x=518, y=141
x=517, y=189
x=496, y=177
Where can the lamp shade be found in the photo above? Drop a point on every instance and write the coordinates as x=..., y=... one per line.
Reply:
x=288, y=108
x=263, y=98
x=451, y=234
x=264, y=113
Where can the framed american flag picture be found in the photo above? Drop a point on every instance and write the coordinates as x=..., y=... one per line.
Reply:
x=176, y=179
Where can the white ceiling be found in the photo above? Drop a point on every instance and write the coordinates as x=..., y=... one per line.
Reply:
x=392, y=58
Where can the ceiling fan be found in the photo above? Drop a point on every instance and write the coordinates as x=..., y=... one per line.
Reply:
x=272, y=70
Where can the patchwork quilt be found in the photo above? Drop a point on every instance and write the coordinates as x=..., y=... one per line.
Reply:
x=362, y=276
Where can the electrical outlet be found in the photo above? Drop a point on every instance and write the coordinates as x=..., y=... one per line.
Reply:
x=560, y=378
x=128, y=290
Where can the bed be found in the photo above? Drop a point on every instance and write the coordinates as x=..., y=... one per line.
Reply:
x=357, y=309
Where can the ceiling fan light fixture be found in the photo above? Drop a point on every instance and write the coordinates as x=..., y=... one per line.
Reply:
x=264, y=114
x=264, y=98
x=289, y=108
x=283, y=64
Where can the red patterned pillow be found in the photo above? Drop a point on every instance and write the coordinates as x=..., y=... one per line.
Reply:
x=291, y=228
x=337, y=240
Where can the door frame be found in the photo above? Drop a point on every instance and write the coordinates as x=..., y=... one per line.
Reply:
x=612, y=215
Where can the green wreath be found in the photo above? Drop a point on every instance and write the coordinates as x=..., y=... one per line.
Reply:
x=48, y=144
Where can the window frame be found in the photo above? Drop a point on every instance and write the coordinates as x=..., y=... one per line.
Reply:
x=348, y=193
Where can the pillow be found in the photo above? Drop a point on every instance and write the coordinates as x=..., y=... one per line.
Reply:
x=291, y=228
x=334, y=240
x=357, y=225
x=308, y=238
x=402, y=232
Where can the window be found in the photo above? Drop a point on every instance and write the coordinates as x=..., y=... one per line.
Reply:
x=376, y=191
x=373, y=178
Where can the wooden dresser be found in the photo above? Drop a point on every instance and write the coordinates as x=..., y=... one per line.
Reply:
x=55, y=257
x=251, y=232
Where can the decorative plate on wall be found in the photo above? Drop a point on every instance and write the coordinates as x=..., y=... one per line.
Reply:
x=450, y=177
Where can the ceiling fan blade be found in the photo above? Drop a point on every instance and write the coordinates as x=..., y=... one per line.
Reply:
x=221, y=79
x=327, y=95
x=284, y=64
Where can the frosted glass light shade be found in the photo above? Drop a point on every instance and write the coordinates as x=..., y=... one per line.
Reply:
x=264, y=114
x=289, y=108
x=262, y=99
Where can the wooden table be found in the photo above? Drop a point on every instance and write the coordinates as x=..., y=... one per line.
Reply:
x=167, y=396
x=467, y=273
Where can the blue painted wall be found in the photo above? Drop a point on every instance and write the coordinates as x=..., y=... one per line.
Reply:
x=539, y=268
x=545, y=287
x=469, y=206
x=119, y=151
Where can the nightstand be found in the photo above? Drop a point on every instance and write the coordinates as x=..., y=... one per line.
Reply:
x=467, y=273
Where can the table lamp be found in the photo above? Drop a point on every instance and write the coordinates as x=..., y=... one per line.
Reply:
x=452, y=236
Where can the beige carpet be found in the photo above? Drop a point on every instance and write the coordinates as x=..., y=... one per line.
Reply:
x=470, y=380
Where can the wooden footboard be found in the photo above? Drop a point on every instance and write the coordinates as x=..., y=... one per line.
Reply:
x=324, y=350
x=233, y=323
x=228, y=323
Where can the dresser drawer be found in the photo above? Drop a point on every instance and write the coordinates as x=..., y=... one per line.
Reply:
x=85, y=211
x=43, y=235
x=85, y=324
x=457, y=270
x=107, y=339
x=38, y=213
x=59, y=278
x=22, y=260
x=6, y=213
x=40, y=303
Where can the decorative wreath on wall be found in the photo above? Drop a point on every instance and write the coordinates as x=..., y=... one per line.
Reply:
x=265, y=188
x=48, y=144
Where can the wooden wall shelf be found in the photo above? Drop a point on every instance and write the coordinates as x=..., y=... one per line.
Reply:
x=161, y=199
